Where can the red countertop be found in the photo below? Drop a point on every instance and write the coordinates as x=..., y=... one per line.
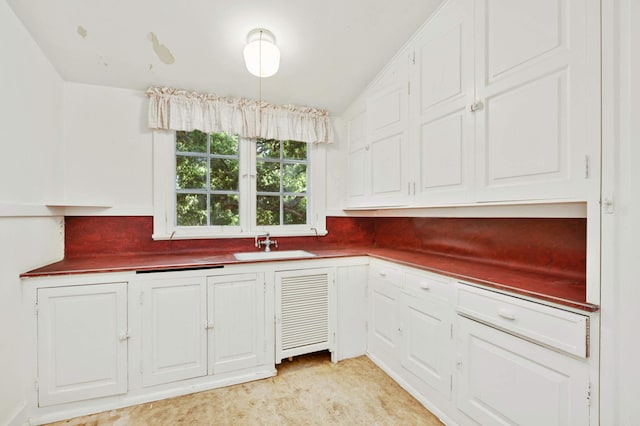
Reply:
x=543, y=258
x=564, y=290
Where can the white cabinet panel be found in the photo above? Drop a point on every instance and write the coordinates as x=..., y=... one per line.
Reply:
x=359, y=161
x=519, y=147
x=236, y=322
x=425, y=314
x=82, y=342
x=443, y=152
x=535, y=81
x=378, y=156
x=521, y=31
x=387, y=166
x=383, y=324
x=504, y=380
x=305, y=312
x=442, y=132
x=174, y=321
x=351, y=289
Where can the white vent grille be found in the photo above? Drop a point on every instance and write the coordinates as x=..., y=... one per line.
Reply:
x=304, y=310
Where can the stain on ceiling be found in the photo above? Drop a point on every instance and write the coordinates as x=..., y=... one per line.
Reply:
x=330, y=50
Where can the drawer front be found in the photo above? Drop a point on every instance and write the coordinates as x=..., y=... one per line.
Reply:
x=384, y=272
x=555, y=328
x=423, y=285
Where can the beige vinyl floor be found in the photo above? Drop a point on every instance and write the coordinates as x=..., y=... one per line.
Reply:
x=309, y=390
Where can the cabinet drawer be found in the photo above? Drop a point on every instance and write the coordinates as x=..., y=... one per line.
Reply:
x=426, y=285
x=385, y=272
x=556, y=328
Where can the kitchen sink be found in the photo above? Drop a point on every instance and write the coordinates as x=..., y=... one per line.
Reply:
x=268, y=255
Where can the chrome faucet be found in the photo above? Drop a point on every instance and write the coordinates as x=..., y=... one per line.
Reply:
x=267, y=243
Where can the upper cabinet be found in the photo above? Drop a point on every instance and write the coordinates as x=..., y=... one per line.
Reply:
x=532, y=88
x=378, y=141
x=491, y=101
x=442, y=88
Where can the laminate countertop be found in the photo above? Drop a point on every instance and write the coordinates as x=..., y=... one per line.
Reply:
x=564, y=290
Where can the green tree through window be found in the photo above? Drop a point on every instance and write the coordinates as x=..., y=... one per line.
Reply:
x=281, y=182
x=207, y=179
x=208, y=187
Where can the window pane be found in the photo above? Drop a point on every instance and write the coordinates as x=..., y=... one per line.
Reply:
x=295, y=210
x=294, y=178
x=224, y=174
x=195, y=141
x=191, y=209
x=294, y=150
x=268, y=177
x=268, y=210
x=268, y=148
x=225, y=210
x=191, y=172
x=223, y=144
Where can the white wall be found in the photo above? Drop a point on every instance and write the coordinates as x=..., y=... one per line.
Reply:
x=620, y=302
x=30, y=173
x=109, y=159
x=108, y=150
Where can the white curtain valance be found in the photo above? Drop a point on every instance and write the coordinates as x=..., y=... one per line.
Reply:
x=174, y=109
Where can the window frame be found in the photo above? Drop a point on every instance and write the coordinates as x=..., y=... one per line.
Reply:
x=164, y=195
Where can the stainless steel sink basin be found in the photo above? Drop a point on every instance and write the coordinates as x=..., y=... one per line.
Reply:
x=269, y=255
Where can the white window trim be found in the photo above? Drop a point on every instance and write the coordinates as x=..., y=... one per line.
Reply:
x=164, y=166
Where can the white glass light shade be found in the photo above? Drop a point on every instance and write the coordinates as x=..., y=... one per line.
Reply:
x=261, y=55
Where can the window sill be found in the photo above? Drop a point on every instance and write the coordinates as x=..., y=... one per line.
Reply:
x=273, y=233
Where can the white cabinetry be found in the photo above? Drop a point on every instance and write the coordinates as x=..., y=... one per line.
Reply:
x=535, y=65
x=305, y=312
x=426, y=329
x=383, y=326
x=503, y=107
x=197, y=325
x=351, y=298
x=82, y=342
x=236, y=322
x=410, y=334
x=441, y=124
x=174, y=335
x=378, y=141
x=511, y=368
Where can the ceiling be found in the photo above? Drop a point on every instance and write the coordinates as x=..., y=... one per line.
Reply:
x=330, y=49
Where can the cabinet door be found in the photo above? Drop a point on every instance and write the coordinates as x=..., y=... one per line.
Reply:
x=384, y=284
x=352, y=311
x=534, y=60
x=442, y=89
x=82, y=342
x=174, y=338
x=236, y=322
x=425, y=326
x=387, y=110
x=305, y=312
x=505, y=380
x=359, y=161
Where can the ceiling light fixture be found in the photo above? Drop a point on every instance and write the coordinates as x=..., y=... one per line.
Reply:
x=261, y=55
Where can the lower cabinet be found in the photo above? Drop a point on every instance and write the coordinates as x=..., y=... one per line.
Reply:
x=174, y=329
x=383, y=325
x=506, y=380
x=410, y=326
x=426, y=330
x=474, y=356
x=197, y=325
x=305, y=312
x=236, y=322
x=82, y=342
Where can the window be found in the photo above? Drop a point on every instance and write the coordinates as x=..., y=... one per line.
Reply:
x=226, y=186
x=207, y=179
x=281, y=180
